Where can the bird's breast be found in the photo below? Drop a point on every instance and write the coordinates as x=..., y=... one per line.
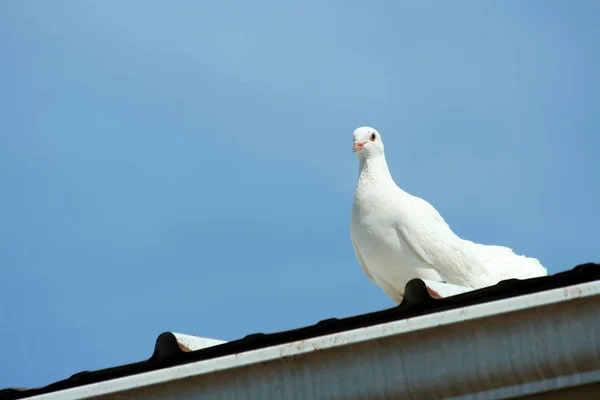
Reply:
x=386, y=253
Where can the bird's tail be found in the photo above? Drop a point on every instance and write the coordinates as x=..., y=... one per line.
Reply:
x=503, y=263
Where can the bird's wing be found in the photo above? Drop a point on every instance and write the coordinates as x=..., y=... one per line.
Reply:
x=431, y=238
x=362, y=262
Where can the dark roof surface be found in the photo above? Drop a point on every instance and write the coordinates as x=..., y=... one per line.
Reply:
x=167, y=352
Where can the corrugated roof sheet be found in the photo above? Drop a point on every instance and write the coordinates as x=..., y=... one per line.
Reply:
x=169, y=351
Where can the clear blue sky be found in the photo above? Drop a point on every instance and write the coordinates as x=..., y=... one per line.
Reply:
x=186, y=166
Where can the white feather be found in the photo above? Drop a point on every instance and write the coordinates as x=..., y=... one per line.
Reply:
x=398, y=237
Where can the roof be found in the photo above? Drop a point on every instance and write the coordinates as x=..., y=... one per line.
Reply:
x=545, y=300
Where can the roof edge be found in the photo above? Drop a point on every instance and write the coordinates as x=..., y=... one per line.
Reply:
x=168, y=351
x=546, y=304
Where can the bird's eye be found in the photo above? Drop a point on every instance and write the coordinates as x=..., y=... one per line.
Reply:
x=373, y=137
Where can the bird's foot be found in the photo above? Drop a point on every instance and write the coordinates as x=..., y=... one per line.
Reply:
x=433, y=293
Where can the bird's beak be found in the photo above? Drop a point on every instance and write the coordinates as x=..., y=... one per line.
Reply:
x=358, y=146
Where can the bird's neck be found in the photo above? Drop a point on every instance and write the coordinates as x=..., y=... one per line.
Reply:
x=373, y=171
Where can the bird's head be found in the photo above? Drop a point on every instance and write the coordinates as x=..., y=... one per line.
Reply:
x=367, y=142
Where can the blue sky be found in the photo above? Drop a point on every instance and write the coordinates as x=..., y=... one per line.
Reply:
x=186, y=166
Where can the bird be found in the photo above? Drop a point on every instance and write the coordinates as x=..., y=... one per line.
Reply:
x=398, y=237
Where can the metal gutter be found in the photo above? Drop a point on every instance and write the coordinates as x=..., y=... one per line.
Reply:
x=458, y=352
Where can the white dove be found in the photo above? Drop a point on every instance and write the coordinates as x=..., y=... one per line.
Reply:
x=398, y=237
